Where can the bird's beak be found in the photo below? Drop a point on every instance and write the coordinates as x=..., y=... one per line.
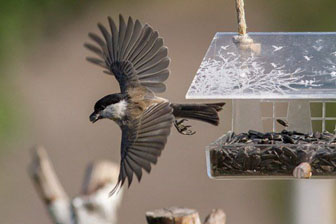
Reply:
x=94, y=117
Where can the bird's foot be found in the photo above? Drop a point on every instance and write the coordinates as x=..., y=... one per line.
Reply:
x=183, y=129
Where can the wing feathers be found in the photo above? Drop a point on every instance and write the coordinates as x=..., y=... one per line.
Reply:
x=128, y=35
x=155, y=87
x=97, y=39
x=96, y=61
x=156, y=151
x=114, y=33
x=142, y=144
x=157, y=67
x=145, y=164
x=158, y=126
x=142, y=43
x=156, y=121
x=136, y=167
x=143, y=155
x=134, y=53
x=161, y=76
x=100, y=42
x=94, y=49
x=108, y=40
x=147, y=48
x=153, y=51
x=156, y=145
x=160, y=55
x=129, y=172
x=122, y=34
x=135, y=35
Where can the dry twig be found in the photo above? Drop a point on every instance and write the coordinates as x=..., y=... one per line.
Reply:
x=93, y=206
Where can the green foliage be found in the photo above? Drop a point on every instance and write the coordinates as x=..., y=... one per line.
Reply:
x=304, y=15
x=21, y=23
x=8, y=116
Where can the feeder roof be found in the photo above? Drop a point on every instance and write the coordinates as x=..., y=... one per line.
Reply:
x=274, y=66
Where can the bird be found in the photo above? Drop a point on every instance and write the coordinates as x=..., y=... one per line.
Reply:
x=136, y=56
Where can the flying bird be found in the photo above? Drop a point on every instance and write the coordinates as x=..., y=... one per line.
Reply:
x=136, y=56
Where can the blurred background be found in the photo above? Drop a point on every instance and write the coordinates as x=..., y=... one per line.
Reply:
x=47, y=91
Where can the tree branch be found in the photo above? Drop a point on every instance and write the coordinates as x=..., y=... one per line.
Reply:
x=92, y=206
x=49, y=187
x=217, y=216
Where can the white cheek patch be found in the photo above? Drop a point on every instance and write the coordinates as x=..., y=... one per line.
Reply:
x=117, y=110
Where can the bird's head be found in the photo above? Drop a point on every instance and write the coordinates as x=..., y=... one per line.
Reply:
x=112, y=106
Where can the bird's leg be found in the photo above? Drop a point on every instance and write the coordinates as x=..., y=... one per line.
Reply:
x=183, y=129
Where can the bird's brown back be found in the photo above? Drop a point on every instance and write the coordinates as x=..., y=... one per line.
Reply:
x=140, y=98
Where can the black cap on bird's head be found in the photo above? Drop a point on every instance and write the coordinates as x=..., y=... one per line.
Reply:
x=101, y=105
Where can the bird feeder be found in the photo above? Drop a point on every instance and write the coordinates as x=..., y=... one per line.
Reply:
x=283, y=92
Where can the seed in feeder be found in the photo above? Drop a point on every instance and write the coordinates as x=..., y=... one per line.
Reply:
x=303, y=171
x=288, y=139
x=282, y=122
x=259, y=154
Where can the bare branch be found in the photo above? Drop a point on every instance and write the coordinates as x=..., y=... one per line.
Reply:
x=217, y=216
x=94, y=206
x=98, y=175
x=49, y=187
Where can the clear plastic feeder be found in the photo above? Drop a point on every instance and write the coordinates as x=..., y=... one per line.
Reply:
x=274, y=66
x=290, y=72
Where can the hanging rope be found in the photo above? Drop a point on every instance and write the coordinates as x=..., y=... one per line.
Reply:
x=242, y=38
x=241, y=17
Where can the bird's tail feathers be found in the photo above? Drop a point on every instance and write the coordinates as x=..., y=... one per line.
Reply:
x=203, y=112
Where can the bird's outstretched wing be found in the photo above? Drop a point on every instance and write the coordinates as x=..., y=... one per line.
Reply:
x=143, y=141
x=134, y=54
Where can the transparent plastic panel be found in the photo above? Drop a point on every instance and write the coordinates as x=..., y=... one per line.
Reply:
x=299, y=116
x=274, y=66
x=246, y=115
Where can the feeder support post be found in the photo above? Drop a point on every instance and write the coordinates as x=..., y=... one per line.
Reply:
x=173, y=215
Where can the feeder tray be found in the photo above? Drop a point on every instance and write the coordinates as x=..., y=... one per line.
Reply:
x=272, y=154
x=296, y=70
